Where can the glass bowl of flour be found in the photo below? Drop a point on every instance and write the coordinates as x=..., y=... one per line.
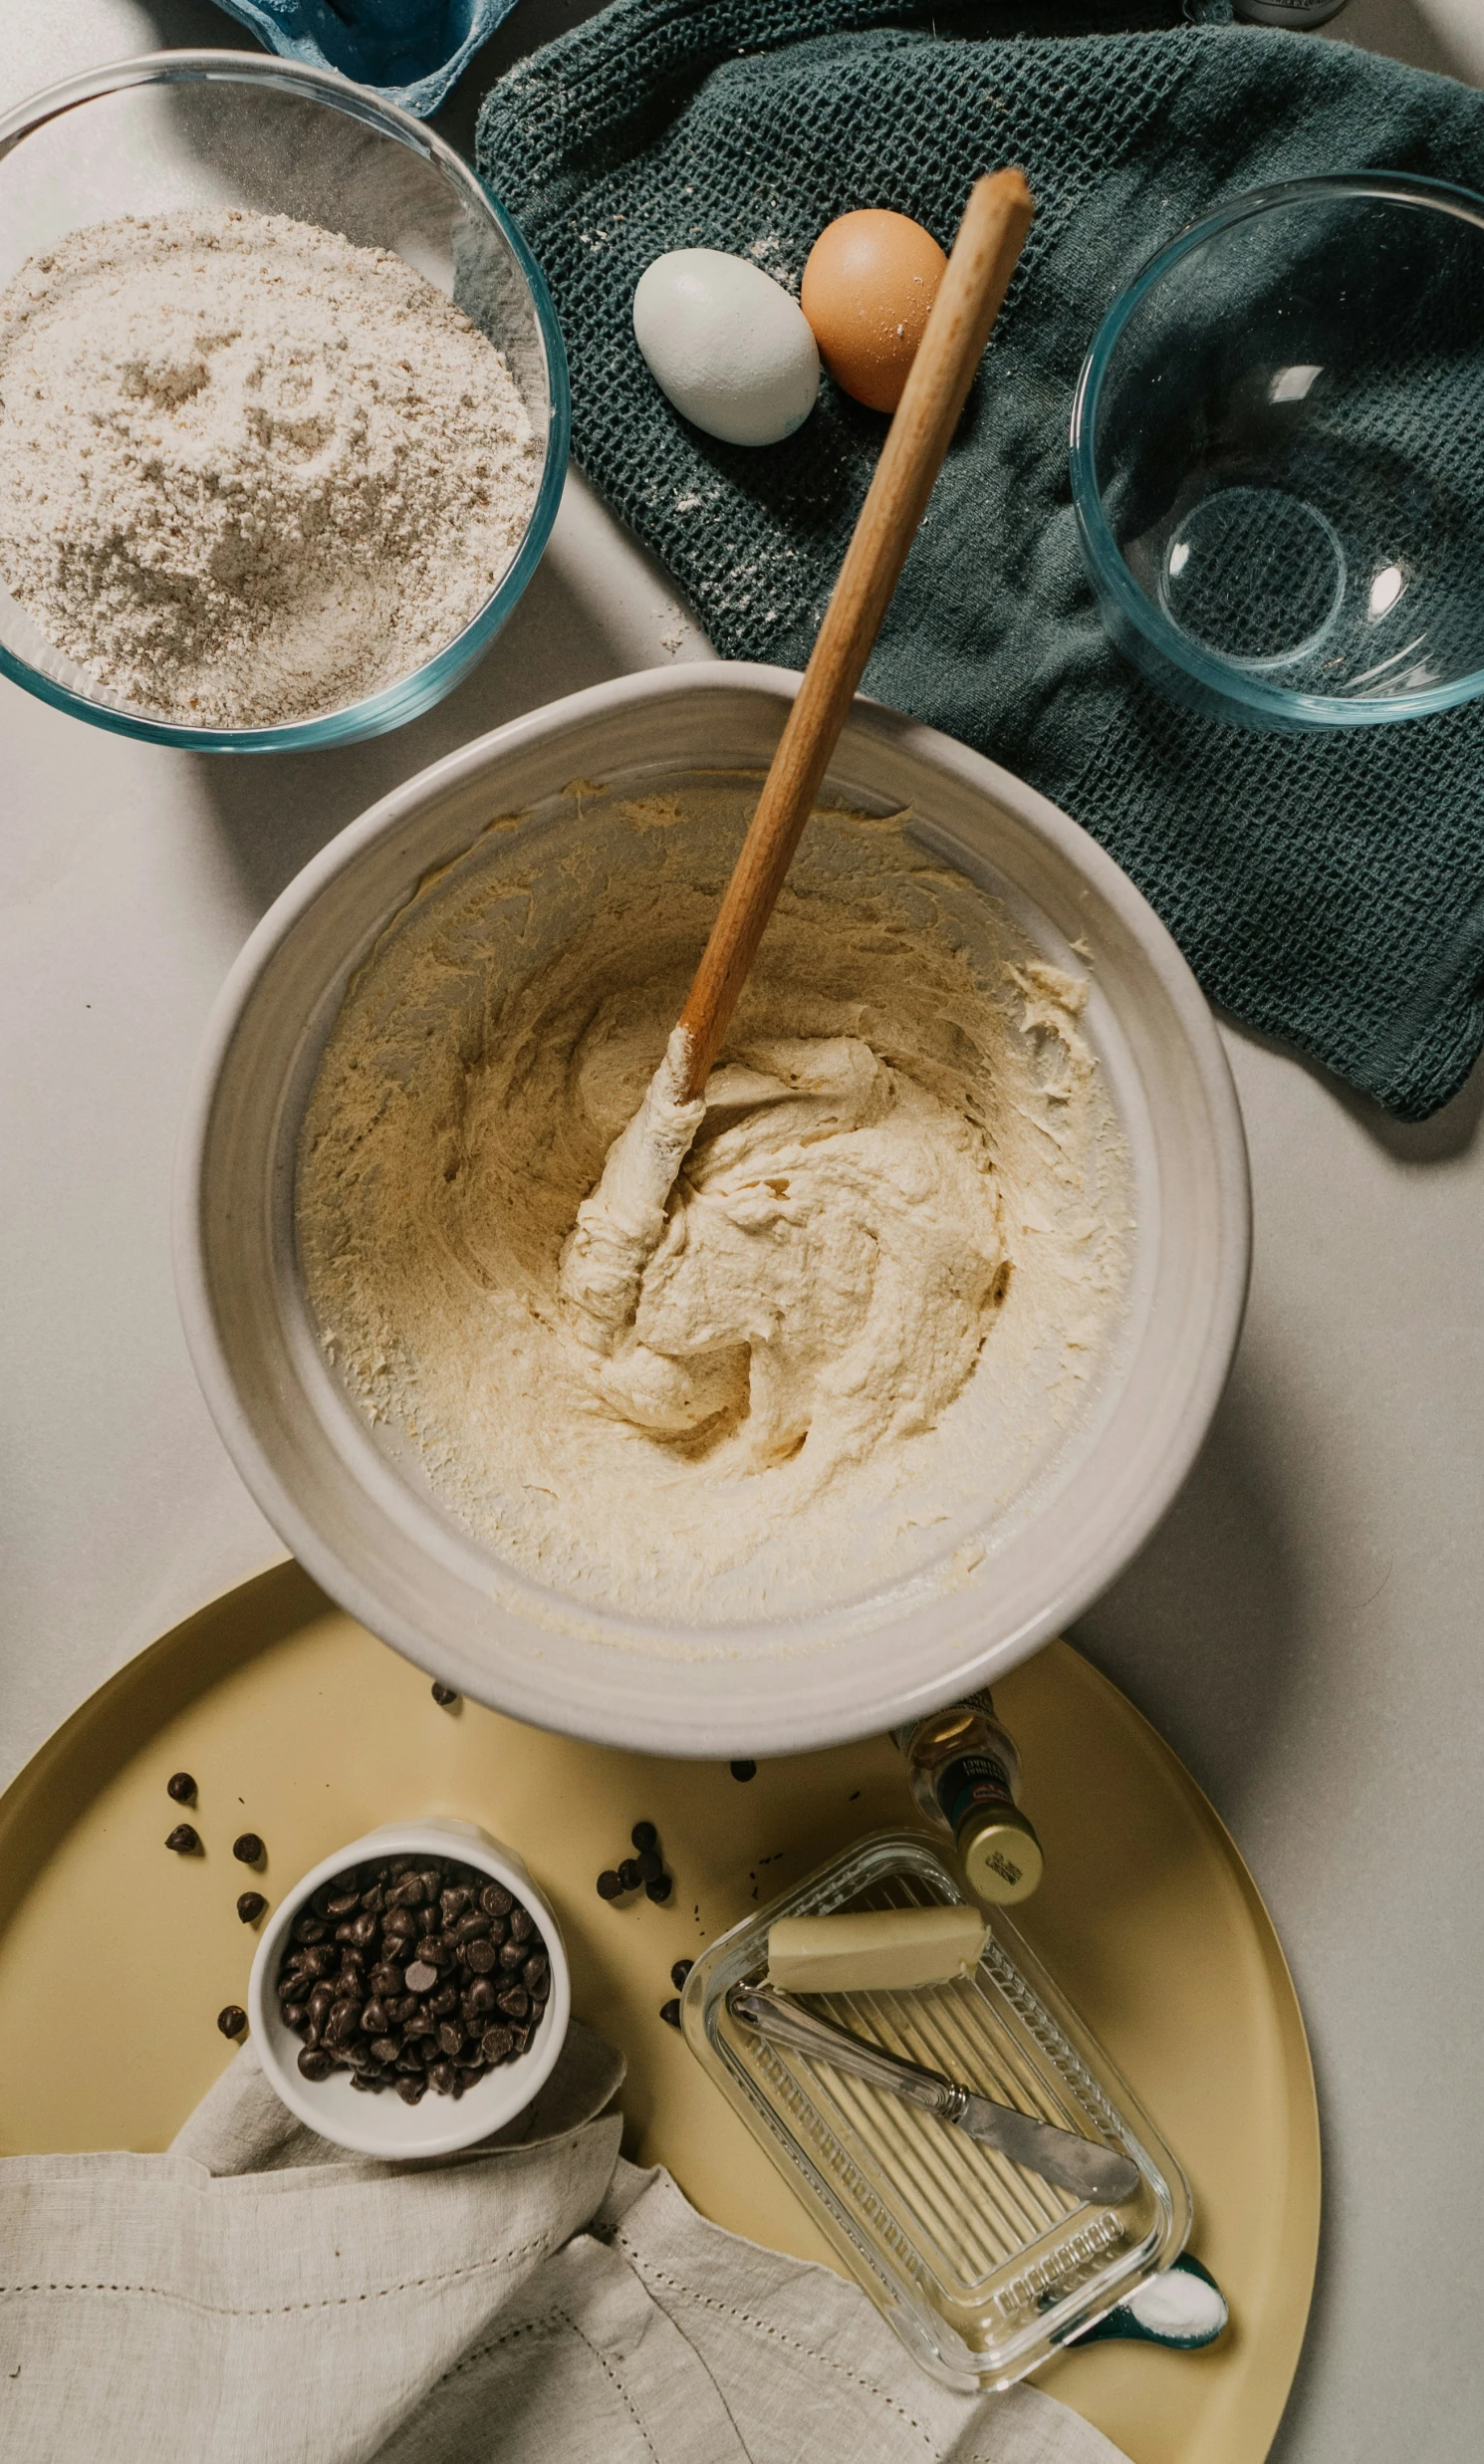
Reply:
x=284, y=413
x=949, y=1283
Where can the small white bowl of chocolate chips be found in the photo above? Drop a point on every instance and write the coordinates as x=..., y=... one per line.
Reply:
x=411, y=1993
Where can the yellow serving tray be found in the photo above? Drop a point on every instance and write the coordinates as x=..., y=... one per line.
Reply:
x=299, y=1725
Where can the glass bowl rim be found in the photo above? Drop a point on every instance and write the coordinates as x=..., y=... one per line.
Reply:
x=1110, y=572
x=407, y=697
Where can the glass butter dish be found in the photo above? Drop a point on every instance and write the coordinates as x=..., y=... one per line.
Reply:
x=983, y=2268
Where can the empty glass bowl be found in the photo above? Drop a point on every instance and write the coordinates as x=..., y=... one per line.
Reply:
x=1278, y=457
x=221, y=130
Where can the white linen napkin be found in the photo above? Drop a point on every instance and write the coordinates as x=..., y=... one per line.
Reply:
x=258, y=2297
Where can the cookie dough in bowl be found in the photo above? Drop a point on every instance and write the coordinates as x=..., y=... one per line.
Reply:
x=895, y=1265
x=949, y=1281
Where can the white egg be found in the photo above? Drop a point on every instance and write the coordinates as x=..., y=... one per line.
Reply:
x=727, y=345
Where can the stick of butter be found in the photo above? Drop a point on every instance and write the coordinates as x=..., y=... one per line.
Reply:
x=874, y=1950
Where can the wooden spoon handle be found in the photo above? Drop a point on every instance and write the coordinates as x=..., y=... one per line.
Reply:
x=989, y=242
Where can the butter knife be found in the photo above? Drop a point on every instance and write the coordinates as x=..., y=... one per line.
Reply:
x=1083, y=2166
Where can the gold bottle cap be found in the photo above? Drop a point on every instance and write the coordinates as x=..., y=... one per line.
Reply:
x=1001, y=1855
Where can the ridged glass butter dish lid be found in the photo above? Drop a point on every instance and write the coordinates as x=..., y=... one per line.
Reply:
x=983, y=2268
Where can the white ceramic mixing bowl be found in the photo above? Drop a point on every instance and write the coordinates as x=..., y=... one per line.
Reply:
x=361, y=1517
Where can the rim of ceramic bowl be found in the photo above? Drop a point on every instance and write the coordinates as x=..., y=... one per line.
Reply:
x=387, y=2128
x=576, y=1683
x=1218, y=678
x=394, y=705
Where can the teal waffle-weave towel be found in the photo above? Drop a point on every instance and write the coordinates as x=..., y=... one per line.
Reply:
x=1329, y=891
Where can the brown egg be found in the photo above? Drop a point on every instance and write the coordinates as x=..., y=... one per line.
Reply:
x=868, y=287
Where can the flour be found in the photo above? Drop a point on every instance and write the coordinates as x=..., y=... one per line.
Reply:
x=891, y=1269
x=249, y=472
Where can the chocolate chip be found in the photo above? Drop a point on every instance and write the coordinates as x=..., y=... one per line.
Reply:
x=680, y=1972
x=313, y=2063
x=181, y=1787
x=651, y=1866
x=184, y=1839
x=609, y=1885
x=232, y=2019
x=295, y=2016
x=496, y=2042
x=629, y=1873
x=659, y=1890
x=644, y=1836
x=343, y=1904
x=413, y=2025
x=444, y=1694
x=250, y=1906
x=248, y=1849
x=670, y=2013
x=743, y=1769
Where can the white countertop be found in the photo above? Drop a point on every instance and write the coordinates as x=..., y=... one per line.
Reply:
x=1303, y=1628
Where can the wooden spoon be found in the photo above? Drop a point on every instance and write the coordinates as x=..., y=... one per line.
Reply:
x=975, y=280
x=620, y=1225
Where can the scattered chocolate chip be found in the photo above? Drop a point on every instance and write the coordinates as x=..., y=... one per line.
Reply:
x=609, y=1885
x=669, y=2012
x=659, y=1890
x=184, y=1839
x=644, y=1836
x=250, y=1906
x=630, y=1875
x=444, y=1694
x=680, y=1972
x=248, y=1849
x=743, y=1769
x=651, y=1866
x=232, y=2019
x=181, y=1787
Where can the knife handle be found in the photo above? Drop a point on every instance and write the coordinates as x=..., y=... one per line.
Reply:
x=783, y=2022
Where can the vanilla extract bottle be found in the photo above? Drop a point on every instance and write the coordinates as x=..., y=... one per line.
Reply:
x=964, y=1772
